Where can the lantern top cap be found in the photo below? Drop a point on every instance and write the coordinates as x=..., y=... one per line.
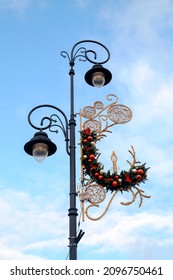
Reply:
x=40, y=137
x=98, y=68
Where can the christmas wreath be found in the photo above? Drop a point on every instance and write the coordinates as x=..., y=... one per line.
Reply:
x=110, y=180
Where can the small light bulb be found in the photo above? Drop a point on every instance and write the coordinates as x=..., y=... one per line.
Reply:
x=98, y=79
x=40, y=151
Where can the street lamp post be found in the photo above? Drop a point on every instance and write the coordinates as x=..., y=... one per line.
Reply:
x=40, y=146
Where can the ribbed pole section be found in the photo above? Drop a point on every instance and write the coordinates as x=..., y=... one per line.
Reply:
x=72, y=210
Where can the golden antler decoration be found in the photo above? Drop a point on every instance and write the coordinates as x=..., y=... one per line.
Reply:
x=133, y=153
x=94, y=189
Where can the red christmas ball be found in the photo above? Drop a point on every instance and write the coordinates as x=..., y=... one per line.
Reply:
x=91, y=156
x=87, y=130
x=138, y=177
x=114, y=184
x=85, y=141
x=90, y=138
x=96, y=174
x=100, y=177
x=140, y=172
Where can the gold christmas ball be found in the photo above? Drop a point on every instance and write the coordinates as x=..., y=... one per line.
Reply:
x=134, y=170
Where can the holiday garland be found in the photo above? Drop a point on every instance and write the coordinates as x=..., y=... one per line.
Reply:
x=94, y=169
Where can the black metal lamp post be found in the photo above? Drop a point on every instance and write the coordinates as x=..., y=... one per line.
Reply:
x=40, y=146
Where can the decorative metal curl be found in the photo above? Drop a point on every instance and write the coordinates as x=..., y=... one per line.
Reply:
x=82, y=53
x=97, y=205
x=134, y=195
x=53, y=121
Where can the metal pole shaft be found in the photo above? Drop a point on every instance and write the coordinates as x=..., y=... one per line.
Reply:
x=72, y=210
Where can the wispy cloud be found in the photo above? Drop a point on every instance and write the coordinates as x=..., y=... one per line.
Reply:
x=83, y=3
x=7, y=253
x=20, y=6
x=138, y=20
x=35, y=228
x=119, y=232
x=16, y=5
x=32, y=223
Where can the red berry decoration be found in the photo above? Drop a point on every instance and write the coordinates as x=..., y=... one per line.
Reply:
x=100, y=177
x=140, y=172
x=85, y=141
x=139, y=177
x=87, y=130
x=114, y=184
x=90, y=138
x=96, y=174
x=91, y=156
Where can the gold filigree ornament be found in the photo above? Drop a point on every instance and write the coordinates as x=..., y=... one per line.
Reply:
x=95, y=182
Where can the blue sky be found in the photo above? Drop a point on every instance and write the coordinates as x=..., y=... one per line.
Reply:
x=34, y=197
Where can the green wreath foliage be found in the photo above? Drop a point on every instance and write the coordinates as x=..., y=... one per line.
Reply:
x=95, y=170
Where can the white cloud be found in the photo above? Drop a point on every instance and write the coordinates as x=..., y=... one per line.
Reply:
x=16, y=5
x=20, y=6
x=156, y=105
x=7, y=253
x=138, y=19
x=28, y=225
x=123, y=232
x=83, y=3
x=139, y=76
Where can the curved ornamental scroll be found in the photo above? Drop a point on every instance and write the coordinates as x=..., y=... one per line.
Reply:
x=54, y=122
x=83, y=53
x=96, y=182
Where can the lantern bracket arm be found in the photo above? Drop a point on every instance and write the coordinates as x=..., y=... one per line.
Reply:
x=54, y=121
